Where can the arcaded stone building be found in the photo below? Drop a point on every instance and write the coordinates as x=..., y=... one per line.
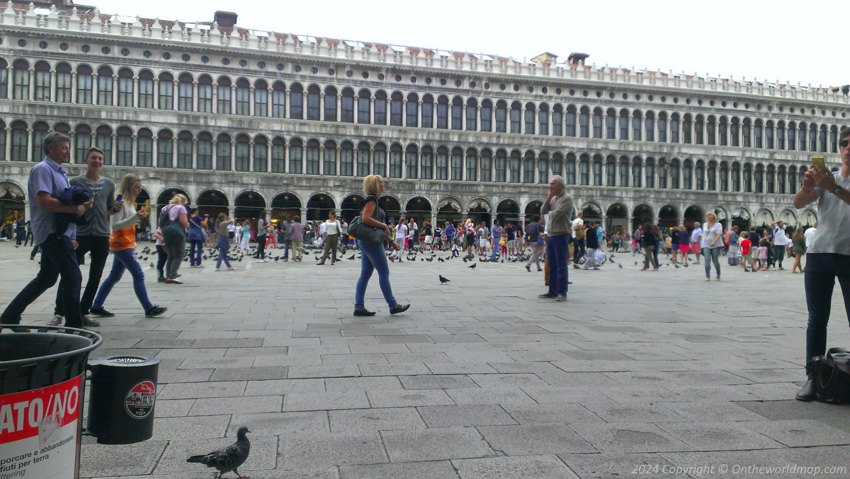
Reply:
x=255, y=122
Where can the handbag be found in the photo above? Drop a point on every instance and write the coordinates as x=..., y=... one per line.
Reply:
x=366, y=234
x=832, y=376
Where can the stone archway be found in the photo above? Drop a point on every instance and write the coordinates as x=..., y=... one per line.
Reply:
x=591, y=213
x=616, y=217
x=448, y=209
x=479, y=210
x=318, y=207
x=789, y=217
x=809, y=218
x=249, y=205
x=285, y=206
x=351, y=206
x=213, y=202
x=640, y=215
x=693, y=214
x=12, y=206
x=507, y=212
x=392, y=207
x=742, y=219
x=723, y=217
x=165, y=197
x=668, y=217
x=418, y=208
x=763, y=218
x=532, y=209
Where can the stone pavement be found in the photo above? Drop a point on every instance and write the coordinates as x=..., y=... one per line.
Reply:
x=651, y=374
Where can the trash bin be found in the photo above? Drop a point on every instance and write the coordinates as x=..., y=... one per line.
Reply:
x=122, y=399
x=42, y=384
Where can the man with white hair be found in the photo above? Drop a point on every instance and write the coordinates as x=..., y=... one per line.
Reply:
x=696, y=236
x=559, y=206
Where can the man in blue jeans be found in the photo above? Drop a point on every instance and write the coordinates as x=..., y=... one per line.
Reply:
x=46, y=182
x=497, y=234
x=559, y=206
x=829, y=257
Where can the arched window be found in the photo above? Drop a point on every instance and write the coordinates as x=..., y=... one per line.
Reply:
x=312, y=156
x=20, y=142
x=224, y=97
x=712, y=176
x=457, y=113
x=363, y=159
x=771, y=179
x=278, y=101
x=261, y=154
x=124, y=147
x=529, y=118
x=364, y=107
x=571, y=121
x=278, y=155
x=379, y=160
x=395, y=161
x=662, y=127
x=514, y=167
x=205, y=94
x=757, y=135
x=584, y=170
x=486, y=165
x=296, y=156
x=516, y=117
x=571, y=169
x=699, y=175
x=724, y=176
x=296, y=102
x=610, y=171
x=205, y=160
x=457, y=164
x=42, y=82
x=674, y=128
x=768, y=135
x=4, y=80
x=242, y=158
x=597, y=122
x=144, y=148
x=833, y=139
x=558, y=120
x=780, y=135
x=649, y=171
x=39, y=131
x=104, y=86
x=471, y=164
x=185, y=93
x=746, y=130
x=427, y=163
x=543, y=120
x=624, y=124
x=396, y=109
x=712, y=130
x=486, y=115
x=329, y=159
x=347, y=106
x=649, y=125
x=823, y=139
x=801, y=136
x=443, y=112
x=223, y=152
x=699, y=130
x=748, y=178
x=411, y=162
x=688, y=174
x=380, y=108
x=314, y=103
x=146, y=89
x=543, y=168
x=557, y=164
x=687, y=129
x=736, y=176
x=471, y=114
x=792, y=178
x=584, y=122
x=792, y=136
x=184, y=150
x=261, y=98
x=84, y=85
x=597, y=170
x=724, y=131
x=501, y=117
x=412, y=110
x=780, y=180
x=330, y=104
x=442, y=163
x=82, y=142
x=637, y=125
x=243, y=97
x=501, y=165
x=164, y=149
x=675, y=174
x=528, y=167
x=21, y=80
x=813, y=137
x=663, y=170
x=624, y=171
x=735, y=131
x=63, y=83
x=427, y=111
x=103, y=139
x=611, y=124
x=346, y=159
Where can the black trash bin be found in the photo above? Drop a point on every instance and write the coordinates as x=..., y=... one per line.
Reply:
x=42, y=384
x=123, y=397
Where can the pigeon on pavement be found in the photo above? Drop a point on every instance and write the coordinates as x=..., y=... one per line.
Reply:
x=473, y=266
x=229, y=458
x=443, y=280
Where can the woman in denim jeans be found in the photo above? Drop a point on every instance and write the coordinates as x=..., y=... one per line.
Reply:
x=373, y=257
x=122, y=243
x=711, y=243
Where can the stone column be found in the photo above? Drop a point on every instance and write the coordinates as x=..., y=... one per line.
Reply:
x=73, y=87
x=94, y=88
x=156, y=93
x=52, y=84
x=135, y=99
x=134, y=149
x=321, y=106
x=31, y=86
x=251, y=101
x=372, y=111
x=114, y=89
x=194, y=153
x=155, y=157
x=214, y=106
x=8, y=135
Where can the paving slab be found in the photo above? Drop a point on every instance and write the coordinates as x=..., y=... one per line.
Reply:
x=514, y=467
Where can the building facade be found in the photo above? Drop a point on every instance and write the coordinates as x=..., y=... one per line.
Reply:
x=254, y=122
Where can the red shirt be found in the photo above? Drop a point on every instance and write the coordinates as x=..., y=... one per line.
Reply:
x=746, y=245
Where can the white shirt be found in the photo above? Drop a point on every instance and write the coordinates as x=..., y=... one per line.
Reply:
x=331, y=227
x=696, y=234
x=712, y=237
x=576, y=222
x=779, y=238
x=401, y=231
x=811, y=235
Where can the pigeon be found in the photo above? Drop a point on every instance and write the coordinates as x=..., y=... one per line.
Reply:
x=443, y=280
x=620, y=265
x=473, y=266
x=351, y=257
x=441, y=260
x=229, y=458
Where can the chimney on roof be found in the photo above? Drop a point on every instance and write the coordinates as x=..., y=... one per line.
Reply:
x=225, y=19
x=545, y=58
x=576, y=59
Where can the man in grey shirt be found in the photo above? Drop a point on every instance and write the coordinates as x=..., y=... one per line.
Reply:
x=559, y=206
x=92, y=237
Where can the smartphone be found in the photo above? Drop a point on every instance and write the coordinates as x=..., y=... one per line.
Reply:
x=819, y=162
x=119, y=197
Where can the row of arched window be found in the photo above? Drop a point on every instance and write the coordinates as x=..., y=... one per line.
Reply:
x=201, y=93
x=275, y=154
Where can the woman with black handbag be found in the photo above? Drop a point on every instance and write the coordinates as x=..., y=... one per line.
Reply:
x=373, y=257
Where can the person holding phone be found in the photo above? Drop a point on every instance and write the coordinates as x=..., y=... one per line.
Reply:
x=829, y=256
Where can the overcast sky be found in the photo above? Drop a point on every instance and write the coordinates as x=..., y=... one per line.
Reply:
x=773, y=41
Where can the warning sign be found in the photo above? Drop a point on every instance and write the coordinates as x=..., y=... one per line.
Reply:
x=38, y=432
x=140, y=400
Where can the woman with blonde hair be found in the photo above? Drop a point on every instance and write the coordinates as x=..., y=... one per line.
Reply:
x=710, y=243
x=173, y=221
x=469, y=231
x=374, y=258
x=122, y=243
x=798, y=248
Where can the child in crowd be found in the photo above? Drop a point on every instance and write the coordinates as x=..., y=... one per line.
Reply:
x=746, y=252
x=161, y=255
x=761, y=255
x=455, y=250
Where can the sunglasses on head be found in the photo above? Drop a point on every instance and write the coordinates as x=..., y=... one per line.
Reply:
x=844, y=143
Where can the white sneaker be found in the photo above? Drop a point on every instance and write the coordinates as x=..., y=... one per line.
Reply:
x=58, y=320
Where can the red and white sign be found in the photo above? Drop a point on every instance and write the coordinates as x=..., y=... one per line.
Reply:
x=38, y=432
x=140, y=399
